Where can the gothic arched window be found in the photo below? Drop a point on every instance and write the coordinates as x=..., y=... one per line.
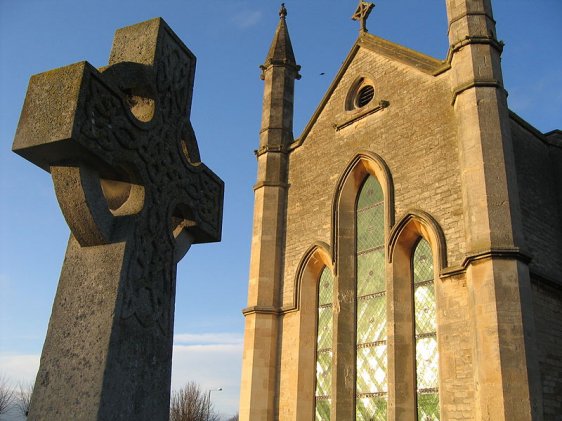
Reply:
x=371, y=369
x=427, y=354
x=324, y=346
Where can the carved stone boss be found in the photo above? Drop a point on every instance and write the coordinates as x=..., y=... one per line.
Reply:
x=127, y=174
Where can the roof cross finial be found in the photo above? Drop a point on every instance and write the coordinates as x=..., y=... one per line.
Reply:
x=282, y=11
x=362, y=14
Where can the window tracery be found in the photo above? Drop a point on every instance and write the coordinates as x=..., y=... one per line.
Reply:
x=425, y=321
x=371, y=362
x=324, y=346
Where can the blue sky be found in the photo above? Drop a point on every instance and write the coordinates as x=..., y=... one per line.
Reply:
x=230, y=40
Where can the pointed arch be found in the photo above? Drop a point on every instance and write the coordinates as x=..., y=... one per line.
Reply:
x=415, y=224
x=315, y=260
x=363, y=164
x=412, y=229
x=344, y=240
x=309, y=269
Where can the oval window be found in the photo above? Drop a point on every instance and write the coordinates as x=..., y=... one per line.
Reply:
x=364, y=96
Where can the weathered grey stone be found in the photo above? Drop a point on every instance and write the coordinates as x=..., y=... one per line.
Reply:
x=127, y=173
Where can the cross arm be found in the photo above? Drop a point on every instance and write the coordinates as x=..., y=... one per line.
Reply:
x=52, y=116
x=204, y=207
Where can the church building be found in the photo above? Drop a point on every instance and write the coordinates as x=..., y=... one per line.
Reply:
x=406, y=259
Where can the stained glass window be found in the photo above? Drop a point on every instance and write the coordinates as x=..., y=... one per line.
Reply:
x=427, y=354
x=324, y=346
x=371, y=385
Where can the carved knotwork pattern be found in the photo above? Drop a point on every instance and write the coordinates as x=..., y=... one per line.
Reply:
x=161, y=155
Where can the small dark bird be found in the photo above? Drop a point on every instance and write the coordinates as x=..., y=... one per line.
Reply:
x=322, y=74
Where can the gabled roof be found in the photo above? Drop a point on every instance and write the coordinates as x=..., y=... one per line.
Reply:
x=396, y=52
x=407, y=56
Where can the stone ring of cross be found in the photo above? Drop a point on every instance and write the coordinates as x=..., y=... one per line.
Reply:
x=119, y=144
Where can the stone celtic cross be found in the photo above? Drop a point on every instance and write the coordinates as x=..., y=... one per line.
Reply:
x=362, y=13
x=127, y=174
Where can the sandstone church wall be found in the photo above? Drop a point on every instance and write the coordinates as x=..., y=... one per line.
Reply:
x=436, y=136
x=415, y=136
x=536, y=160
x=548, y=323
x=542, y=220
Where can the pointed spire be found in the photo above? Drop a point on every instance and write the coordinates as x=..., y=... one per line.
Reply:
x=281, y=50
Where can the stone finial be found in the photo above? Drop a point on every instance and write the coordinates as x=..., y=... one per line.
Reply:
x=283, y=11
x=362, y=14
